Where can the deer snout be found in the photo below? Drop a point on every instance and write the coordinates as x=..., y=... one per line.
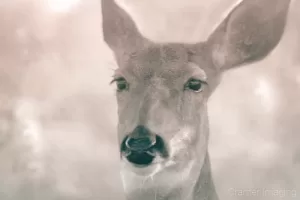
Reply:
x=140, y=140
x=141, y=146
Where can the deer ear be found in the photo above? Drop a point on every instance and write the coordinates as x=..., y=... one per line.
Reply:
x=119, y=31
x=249, y=33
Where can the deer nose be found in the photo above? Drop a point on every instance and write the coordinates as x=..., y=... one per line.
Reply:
x=140, y=140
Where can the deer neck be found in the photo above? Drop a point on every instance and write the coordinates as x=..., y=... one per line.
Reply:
x=205, y=188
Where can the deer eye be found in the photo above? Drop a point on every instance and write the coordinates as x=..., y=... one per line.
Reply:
x=121, y=84
x=194, y=85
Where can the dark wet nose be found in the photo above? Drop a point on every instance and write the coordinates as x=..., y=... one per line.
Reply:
x=141, y=146
x=140, y=140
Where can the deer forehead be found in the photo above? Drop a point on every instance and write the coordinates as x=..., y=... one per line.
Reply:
x=158, y=63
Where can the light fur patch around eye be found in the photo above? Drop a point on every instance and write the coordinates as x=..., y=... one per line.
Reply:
x=197, y=72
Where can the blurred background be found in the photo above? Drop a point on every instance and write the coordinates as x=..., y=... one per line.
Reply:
x=58, y=111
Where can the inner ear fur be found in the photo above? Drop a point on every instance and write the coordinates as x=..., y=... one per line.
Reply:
x=249, y=33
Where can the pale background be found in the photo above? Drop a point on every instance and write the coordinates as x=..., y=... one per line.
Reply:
x=58, y=112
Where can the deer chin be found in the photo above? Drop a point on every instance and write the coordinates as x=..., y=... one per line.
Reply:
x=159, y=165
x=164, y=175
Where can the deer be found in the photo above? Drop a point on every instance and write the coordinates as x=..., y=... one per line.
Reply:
x=162, y=90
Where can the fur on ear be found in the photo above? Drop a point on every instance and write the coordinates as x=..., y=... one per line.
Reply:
x=249, y=33
x=119, y=30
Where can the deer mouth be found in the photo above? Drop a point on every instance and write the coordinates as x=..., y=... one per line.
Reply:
x=140, y=159
x=142, y=153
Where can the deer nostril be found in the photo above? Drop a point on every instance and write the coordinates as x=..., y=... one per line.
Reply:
x=140, y=139
x=140, y=144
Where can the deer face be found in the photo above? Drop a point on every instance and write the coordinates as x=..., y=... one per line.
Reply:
x=162, y=97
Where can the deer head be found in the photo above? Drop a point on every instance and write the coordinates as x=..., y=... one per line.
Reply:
x=163, y=89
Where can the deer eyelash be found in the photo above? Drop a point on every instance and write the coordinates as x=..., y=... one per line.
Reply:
x=116, y=79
